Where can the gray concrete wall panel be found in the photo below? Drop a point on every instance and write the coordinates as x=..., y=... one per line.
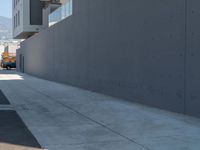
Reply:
x=193, y=61
x=136, y=48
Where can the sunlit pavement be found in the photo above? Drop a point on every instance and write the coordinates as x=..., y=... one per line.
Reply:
x=62, y=117
x=6, y=146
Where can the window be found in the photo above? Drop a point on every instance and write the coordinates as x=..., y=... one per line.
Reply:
x=18, y=17
x=14, y=22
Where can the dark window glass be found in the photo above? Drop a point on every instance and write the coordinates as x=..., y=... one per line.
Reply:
x=18, y=18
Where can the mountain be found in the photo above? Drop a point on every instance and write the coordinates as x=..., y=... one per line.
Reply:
x=5, y=28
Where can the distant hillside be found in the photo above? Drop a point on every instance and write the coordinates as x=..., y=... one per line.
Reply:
x=5, y=28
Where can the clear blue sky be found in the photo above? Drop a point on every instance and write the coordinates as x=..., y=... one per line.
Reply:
x=6, y=8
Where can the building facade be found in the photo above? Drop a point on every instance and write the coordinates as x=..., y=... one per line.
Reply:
x=144, y=51
x=27, y=18
x=32, y=16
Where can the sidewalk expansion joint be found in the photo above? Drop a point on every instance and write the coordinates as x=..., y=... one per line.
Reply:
x=6, y=107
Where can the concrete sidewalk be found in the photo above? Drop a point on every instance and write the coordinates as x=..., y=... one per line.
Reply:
x=62, y=117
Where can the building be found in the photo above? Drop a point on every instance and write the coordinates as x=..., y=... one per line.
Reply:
x=143, y=51
x=32, y=16
x=11, y=47
x=1, y=50
x=27, y=18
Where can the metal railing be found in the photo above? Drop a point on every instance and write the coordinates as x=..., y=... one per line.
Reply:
x=61, y=13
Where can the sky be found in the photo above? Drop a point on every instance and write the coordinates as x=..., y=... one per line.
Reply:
x=6, y=8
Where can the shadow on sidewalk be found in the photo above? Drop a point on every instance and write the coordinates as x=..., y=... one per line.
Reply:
x=14, y=135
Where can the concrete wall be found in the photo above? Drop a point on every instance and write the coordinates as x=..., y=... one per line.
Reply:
x=145, y=51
